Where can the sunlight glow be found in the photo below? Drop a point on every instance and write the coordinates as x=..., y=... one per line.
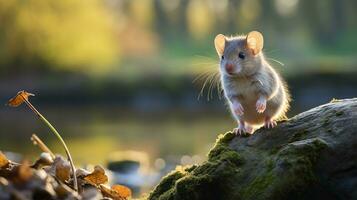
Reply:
x=199, y=18
x=286, y=7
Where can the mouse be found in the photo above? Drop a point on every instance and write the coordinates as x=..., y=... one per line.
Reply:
x=255, y=92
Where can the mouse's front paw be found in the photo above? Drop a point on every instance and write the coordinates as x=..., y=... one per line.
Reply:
x=261, y=105
x=238, y=109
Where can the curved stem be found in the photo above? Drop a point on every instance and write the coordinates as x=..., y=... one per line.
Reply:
x=53, y=129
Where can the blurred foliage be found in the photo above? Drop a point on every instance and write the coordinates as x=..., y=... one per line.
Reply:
x=145, y=37
x=65, y=34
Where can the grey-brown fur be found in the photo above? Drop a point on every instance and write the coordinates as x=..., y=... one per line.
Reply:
x=252, y=82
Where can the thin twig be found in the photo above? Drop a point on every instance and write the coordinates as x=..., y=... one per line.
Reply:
x=37, y=141
x=75, y=183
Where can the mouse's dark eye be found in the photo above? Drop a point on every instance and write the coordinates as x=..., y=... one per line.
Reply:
x=241, y=55
x=222, y=57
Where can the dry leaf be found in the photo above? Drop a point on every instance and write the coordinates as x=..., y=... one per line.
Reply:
x=80, y=173
x=117, y=192
x=44, y=160
x=19, y=98
x=97, y=177
x=3, y=160
x=122, y=190
x=63, y=171
x=24, y=171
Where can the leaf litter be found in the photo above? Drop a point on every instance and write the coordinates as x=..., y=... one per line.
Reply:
x=51, y=175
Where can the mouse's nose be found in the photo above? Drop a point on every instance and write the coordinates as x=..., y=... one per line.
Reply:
x=229, y=68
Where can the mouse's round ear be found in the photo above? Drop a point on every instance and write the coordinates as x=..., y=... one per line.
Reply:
x=255, y=42
x=219, y=43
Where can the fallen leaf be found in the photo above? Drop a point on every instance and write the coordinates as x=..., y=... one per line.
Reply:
x=44, y=160
x=19, y=98
x=97, y=177
x=80, y=173
x=116, y=192
x=63, y=171
x=3, y=160
x=122, y=190
x=24, y=172
x=60, y=168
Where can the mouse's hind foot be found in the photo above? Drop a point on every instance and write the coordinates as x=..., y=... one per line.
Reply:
x=269, y=123
x=243, y=128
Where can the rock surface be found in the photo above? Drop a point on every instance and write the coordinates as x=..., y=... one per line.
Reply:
x=310, y=156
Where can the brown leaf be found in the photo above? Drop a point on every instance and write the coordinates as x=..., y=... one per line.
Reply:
x=19, y=98
x=97, y=177
x=3, y=160
x=24, y=172
x=63, y=171
x=60, y=168
x=122, y=190
x=116, y=192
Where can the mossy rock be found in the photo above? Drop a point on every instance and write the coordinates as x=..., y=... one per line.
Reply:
x=302, y=158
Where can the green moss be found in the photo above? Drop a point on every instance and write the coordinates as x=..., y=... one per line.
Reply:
x=269, y=164
x=299, y=135
x=217, y=150
x=286, y=175
x=207, y=167
x=257, y=186
x=222, y=152
x=221, y=145
x=233, y=157
x=225, y=138
x=193, y=187
x=339, y=113
x=309, y=148
x=275, y=150
x=210, y=180
x=190, y=168
x=296, y=163
x=165, y=189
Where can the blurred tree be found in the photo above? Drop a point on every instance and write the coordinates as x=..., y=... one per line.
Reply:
x=142, y=12
x=67, y=34
x=84, y=36
x=200, y=18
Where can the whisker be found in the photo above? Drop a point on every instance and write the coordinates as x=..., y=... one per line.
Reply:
x=212, y=85
x=218, y=86
x=271, y=51
x=209, y=93
x=209, y=64
x=206, y=57
x=210, y=77
x=202, y=89
x=215, y=83
x=277, y=61
x=202, y=76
